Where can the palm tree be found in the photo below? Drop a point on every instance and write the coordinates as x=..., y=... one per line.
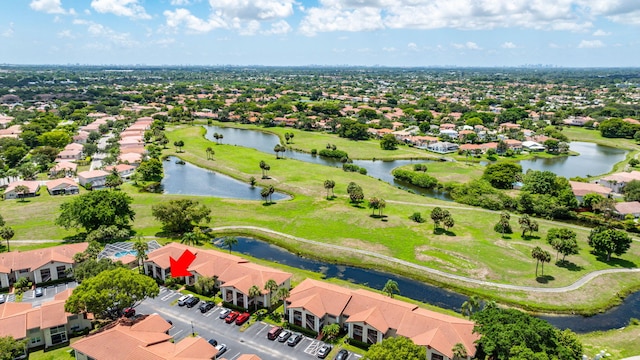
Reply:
x=210, y=153
x=390, y=288
x=230, y=242
x=527, y=224
x=282, y=295
x=6, y=233
x=216, y=136
x=271, y=286
x=189, y=238
x=470, y=306
x=329, y=185
x=541, y=256
x=22, y=190
x=264, y=167
x=205, y=284
x=265, y=194
x=381, y=205
x=459, y=351
x=254, y=292
x=141, y=247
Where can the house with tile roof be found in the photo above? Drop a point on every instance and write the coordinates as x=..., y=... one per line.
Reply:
x=371, y=317
x=235, y=275
x=580, y=189
x=628, y=208
x=39, y=265
x=45, y=326
x=93, y=178
x=10, y=192
x=143, y=338
x=68, y=168
x=62, y=186
x=617, y=181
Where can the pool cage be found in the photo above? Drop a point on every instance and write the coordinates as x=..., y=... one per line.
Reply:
x=117, y=250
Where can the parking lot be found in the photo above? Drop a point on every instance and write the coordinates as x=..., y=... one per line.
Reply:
x=209, y=326
x=48, y=292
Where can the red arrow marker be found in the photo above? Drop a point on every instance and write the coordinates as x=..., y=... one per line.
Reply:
x=179, y=267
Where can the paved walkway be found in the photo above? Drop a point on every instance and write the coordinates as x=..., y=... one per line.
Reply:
x=576, y=285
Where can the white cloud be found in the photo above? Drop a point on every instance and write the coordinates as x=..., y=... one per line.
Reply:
x=128, y=8
x=601, y=32
x=412, y=46
x=184, y=18
x=180, y=2
x=334, y=19
x=253, y=9
x=469, y=45
x=389, y=49
x=48, y=6
x=8, y=32
x=590, y=44
x=278, y=28
x=66, y=34
x=508, y=45
x=554, y=46
x=565, y=15
x=164, y=42
x=103, y=32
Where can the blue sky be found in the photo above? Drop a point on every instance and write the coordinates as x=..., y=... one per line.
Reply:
x=569, y=33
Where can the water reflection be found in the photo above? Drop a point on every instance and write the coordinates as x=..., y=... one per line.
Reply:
x=189, y=179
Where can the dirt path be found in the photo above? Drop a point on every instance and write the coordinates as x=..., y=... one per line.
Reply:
x=576, y=285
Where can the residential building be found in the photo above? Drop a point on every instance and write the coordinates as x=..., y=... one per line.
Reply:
x=45, y=326
x=532, y=146
x=62, y=186
x=580, y=189
x=616, y=182
x=371, y=317
x=10, y=192
x=235, y=275
x=628, y=208
x=143, y=338
x=443, y=147
x=67, y=167
x=40, y=265
x=125, y=171
x=93, y=178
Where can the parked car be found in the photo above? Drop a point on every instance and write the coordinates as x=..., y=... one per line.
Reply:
x=192, y=301
x=284, y=335
x=221, y=349
x=206, y=306
x=213, y=342
x=242, y=318
x=224, y=313
x=182, y=301
x=231, y=317
x=129, y=312
x=3, y=298
x=342, y=355
x=274, y=332
x=39, y=292
x=294, y=339
x=324, y=350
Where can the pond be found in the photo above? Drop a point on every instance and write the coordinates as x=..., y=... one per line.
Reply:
x=188, y=179
x=265, y=142
x=593, y=160
x=612, y=319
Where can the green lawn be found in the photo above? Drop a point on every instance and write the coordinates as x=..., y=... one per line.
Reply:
x=620, y=343
x=471, y=249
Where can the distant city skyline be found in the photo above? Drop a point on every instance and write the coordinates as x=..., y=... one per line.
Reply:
x=403, y=33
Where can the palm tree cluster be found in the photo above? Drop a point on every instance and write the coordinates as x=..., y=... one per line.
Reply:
x=288, y=137
x=210, y=153
x=541, y=256
x=329, y=185
x=279, y=148
x=377, y=204
x=265, y=169
x=266, y=193
x=218, y=137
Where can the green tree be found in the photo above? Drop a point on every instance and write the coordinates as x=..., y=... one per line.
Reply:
x=282, y=294
x=398, y=347
x=210, y=153
x=390, y=288
x=92, y=267
x=205, y=285
x=7, y=233
x=355, y=193
x=230, y=242
x=502, y=175
x=632, y=191
x=278, y=149
x=591, y=199
x=178, y=144
x=150, y=170
x=527, y=224
x=271, y=286
x=111, y=291
x=503, y=226
x=22, y=191
x=141, y=247
x=56, y=138
x=329, y=185
x=439, y=215
x=113, y=181
x=106, y=234
x=502, y=330
x=331, y=331
x=189, y=238
x=459, y=351
x=96, y=208
x=11, y=348
x=563, y=241
x=353, y=130
x=606, y=241
x=389, y=142
x=469, y=306
x=254, y=292
x=541, y=256
x=265, y=169
x=181, y=215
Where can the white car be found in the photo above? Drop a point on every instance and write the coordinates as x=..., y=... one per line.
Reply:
x=3, y=298
x=221, y=349
x=182, y=301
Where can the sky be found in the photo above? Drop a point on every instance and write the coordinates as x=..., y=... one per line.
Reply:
x=407, y=33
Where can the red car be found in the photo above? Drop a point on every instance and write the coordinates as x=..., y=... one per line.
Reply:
x=242, y=318
x=231, y=317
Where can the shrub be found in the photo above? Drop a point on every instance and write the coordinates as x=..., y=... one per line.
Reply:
x=417, y=217
x=314, y=152
x=336, y=154
x=421, y=180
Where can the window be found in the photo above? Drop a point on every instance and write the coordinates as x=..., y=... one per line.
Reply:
x=23, y=271
x=62, y=271
x=45, y=275
x=58, y=334
x=437, y=357
x=35, y=340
